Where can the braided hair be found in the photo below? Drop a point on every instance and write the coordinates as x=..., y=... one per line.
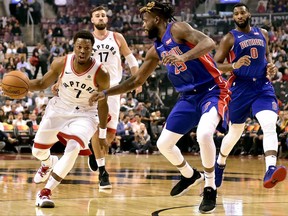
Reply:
x=163, y=10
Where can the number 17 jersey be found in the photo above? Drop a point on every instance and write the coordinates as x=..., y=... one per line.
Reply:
x=107, y=52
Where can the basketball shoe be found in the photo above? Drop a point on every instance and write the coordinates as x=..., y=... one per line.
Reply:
x=43, y=199
x=219, y=170
x=208, y=203
x=92, y=164
x=274, y=175
x=185, y=184
x=44, y=171
x=104, y=182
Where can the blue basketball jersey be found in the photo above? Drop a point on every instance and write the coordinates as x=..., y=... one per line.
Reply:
x=192, y=74
x=254, y=45
x=199, y=82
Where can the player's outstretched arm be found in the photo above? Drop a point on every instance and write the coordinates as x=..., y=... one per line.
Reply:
x=150, y=63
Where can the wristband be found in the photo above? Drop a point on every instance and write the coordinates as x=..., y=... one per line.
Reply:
x=102, y=133
x=105, y=93
x=233, y=65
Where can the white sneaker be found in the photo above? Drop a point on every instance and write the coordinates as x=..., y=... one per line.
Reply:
x=43, y=199
x=44, y=171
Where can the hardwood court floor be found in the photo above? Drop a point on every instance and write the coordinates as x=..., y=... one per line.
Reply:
x=141, y=186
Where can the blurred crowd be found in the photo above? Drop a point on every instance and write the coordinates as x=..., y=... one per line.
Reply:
x=142, y=115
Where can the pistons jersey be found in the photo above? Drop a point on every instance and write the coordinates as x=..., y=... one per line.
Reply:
x=76, y=89
x=107, y=52
x=193, y=74
x=254, y=45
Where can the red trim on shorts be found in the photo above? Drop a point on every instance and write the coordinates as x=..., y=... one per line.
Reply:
x=42, y=146
x=85, y=152
x=67, y=137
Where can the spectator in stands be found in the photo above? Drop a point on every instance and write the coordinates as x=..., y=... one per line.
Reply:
x=36, y=12
x=41, y=100
x=117, y=23
x=22, y=49
x=58, y=31
x=2, y=70
x=21, y=11
x=11, y=49
x=7, y=106
x=43, y=61
x=141, y=143
x=55, y=51
x=24, y=67
x=7, y=142
x=16, y=30
x=261, y=8
x=124, y=130
x=280, y=7
x=18, y=121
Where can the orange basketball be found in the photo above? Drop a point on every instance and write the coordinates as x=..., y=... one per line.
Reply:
x=15, y=84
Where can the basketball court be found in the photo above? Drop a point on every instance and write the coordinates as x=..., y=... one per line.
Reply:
x=141, y=186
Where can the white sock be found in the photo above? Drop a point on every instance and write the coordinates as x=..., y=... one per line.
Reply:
x=100, y=162
x=210, y=180
x=270, y=161
x=186, y=170
x=221, y=160
x=51, y=183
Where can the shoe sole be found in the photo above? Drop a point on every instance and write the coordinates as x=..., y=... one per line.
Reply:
x=207, y=212
x=46, y=204
x=198, y=181
x=105, y=187
x=278, y=176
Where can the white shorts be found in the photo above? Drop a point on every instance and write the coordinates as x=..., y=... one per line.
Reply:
x=114, y=110
x=66, y=122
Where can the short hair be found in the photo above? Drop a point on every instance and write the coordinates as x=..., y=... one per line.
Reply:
x=98, y=8
x=241, y=5
x=163, y=10
x=84, y=34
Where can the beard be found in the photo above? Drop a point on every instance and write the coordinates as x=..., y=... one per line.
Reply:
x=153, y=33
x=244, y=24
x=101, y=26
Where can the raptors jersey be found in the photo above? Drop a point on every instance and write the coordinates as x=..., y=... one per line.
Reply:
x=76, y=89
x=190, y=75
x=254, y=45
x=107, y=52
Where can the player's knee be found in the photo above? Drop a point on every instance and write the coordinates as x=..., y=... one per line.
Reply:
x=204, y=137
x=269, y=128
x=40, y=154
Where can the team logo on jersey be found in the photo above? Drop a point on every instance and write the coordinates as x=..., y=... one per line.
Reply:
x=274, y=106
x=256, y=33
x=206, y=106
x=168, y=41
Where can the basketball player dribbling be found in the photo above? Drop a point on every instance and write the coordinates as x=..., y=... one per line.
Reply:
x=69, y=117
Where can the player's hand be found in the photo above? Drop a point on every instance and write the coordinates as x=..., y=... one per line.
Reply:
x=103, y=144
x=95, y=97
x=271, y=69
x=243, y=61
x=55, y=89
x=172, y=59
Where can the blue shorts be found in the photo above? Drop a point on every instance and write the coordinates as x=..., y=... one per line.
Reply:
x=188, y=110
x=250, y=97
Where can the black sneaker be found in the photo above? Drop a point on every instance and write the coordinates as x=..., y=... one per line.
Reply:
x=186, y=183
x=208, y=203
x=92, y=164
x=104, y=181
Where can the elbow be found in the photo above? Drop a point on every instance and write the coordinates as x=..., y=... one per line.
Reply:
x=212, y=44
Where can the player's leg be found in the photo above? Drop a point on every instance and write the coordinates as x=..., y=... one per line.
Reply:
x=205, y=131
x=60, y=170
x=176, y=126
x=239, y=110
x=274, y=174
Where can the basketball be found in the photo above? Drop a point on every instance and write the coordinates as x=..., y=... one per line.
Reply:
x=15, y=85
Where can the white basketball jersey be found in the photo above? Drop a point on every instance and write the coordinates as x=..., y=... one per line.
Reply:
x=76, y=89
x=107, y=52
